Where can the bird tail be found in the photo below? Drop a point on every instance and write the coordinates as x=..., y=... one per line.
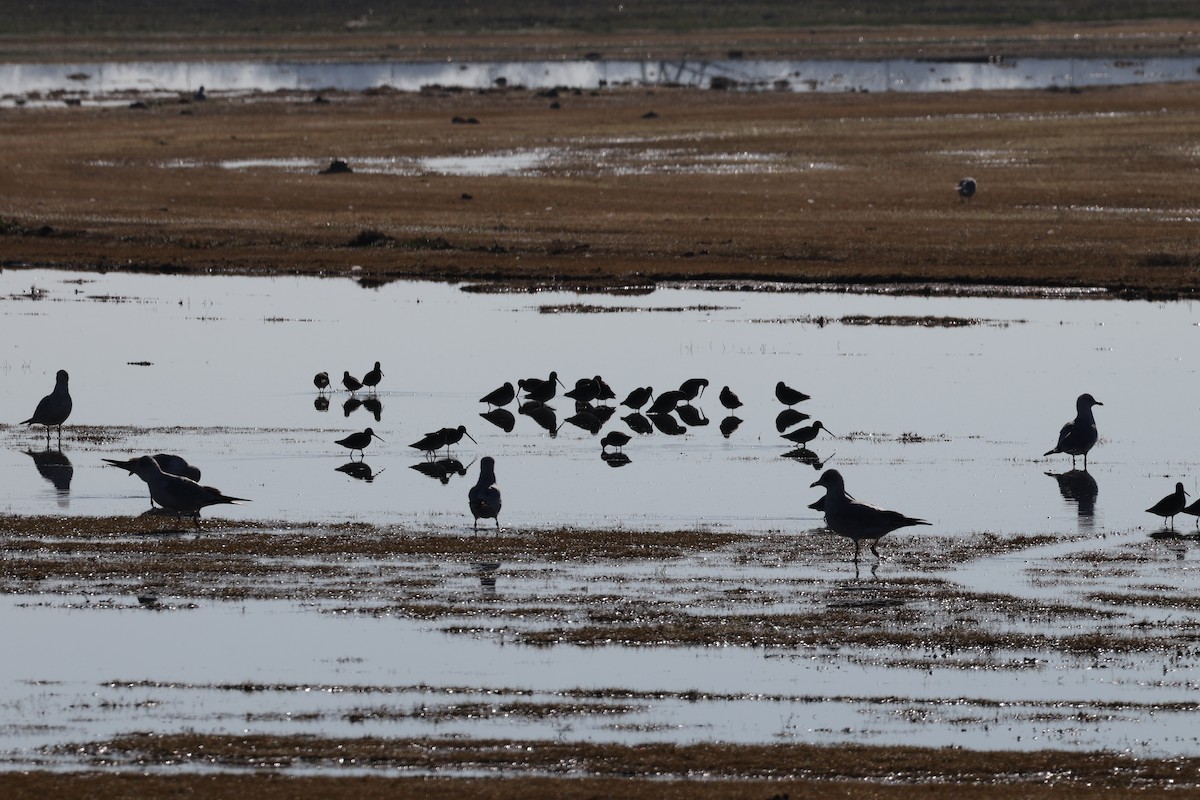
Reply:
x=1049, y=452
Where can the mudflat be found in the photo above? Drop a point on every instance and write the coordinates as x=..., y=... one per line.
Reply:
x=1076, y=188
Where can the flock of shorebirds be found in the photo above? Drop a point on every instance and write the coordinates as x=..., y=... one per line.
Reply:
x=174, y=484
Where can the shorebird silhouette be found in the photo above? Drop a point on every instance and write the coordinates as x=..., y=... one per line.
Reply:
x=53, y=409
x=484, y=496
x=359, y=441
x=1170, y=505
x=855, y=520
x=179, y=494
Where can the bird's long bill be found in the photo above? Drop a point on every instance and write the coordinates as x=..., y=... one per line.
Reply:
x=469, y=436
x=377, y=436
x=560, y=383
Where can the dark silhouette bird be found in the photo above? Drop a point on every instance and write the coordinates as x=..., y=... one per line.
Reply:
x=1078, y=436
x=638, y=398
x=665, y=402
x=373, y=377
x=789, y=396
x=484, y=496
x=606, y=393
x=359, y=441
x=169, y=463
x=966, y=188
x=538, y=390
x=1194, y=510
x=802, y=436
x=436, y=440
x=586, y=420
x=543, y=415
x=690, y=415
x=638, y=423
x=586, y=390
x=351, y=383
x=178, y=494
x=56, y=467
x=728, y=399
x=616, y=439
x=501, y=396
x=665, y=423
x=321, y=381
x=1170, y=505
x=53, y=409
x=729, y=425
x=373, y=405
x=693, y=388
x=855, y=520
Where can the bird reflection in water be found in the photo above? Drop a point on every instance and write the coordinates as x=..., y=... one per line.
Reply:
x=351, y=405
x=54, y=466
x=486, y=570
x=1079, y=487
x=443, y=469
x=502, y=418
x=615, y=459
x=543, y=415
x=587, y=421
x=789, y=417
x=691, y=415
x=638, y=423
x=373, y=405
x=729, y=425
x=360, y=470
x=806, y=456
x=667, y=424
x=321, y=402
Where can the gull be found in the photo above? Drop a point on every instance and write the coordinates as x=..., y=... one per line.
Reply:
x=789, y=396
x=501, y=396
x=966, y=188
x=351, y=383
x=1170, y=505
x=855, y=520
x=358, y=441
x=321, y=381
x=53, y=409
x=176, y=493
x=169, y=463
x=373, y=377
x=484, y=496
x=1079, y=435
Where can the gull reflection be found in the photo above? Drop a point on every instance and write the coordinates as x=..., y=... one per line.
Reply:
x=486, y=570
x=54, y=466
x=360, y=470
x=1079, y=487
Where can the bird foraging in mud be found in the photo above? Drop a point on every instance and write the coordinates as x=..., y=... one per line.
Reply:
x=1079, y=435
x=966, y=188
x=179, y=494
x=855, y=520
x=484, y=497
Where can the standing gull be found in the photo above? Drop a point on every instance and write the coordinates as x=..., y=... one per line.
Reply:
x=484, y=496
x=1078, y=436
x=53, y=409
x=358, y=441
x=1170, y=505
x=179, y=494
x=855, y=520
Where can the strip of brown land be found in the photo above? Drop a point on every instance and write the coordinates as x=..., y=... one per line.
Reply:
x=1080, y=188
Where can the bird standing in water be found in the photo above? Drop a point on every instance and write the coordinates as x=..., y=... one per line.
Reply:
x=1078, y=436
x=373, y=377
x=53, y=409
x=358, y=441
x=176, y=493
x=484, y=496
x=1170, y=505
x=855, y=520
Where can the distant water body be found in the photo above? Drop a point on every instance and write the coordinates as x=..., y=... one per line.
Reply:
x=100, y=80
